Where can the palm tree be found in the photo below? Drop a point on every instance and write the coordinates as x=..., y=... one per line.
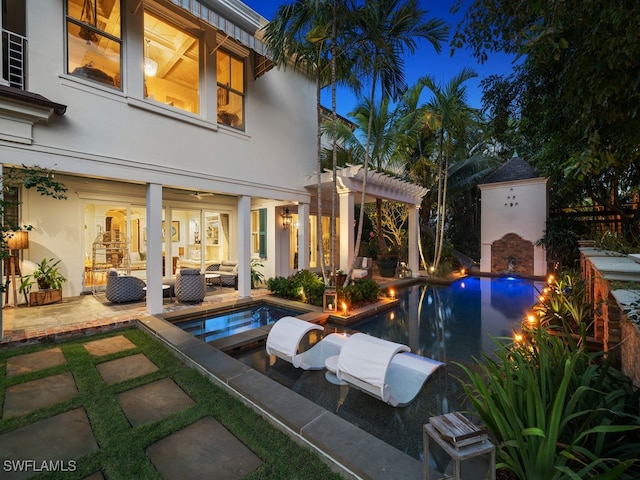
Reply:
x=388, y=29
x=307, y=33
x=447, y=116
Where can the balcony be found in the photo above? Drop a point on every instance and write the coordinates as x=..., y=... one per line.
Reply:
x=14, y=61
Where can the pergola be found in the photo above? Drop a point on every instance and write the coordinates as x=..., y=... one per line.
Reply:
x=350, y=182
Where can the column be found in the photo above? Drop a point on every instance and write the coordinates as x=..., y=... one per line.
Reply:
x=303, y=236
x=244, y=246
x=414, y=222
x=154, y=248
x=347, y=232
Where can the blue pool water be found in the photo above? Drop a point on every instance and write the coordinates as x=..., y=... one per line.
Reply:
x=222, y=325
x=452, y=324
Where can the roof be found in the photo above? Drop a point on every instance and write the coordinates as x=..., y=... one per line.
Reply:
x=515, y=169
x=31, y=99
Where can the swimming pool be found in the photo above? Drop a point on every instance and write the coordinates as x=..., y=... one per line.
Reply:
x=451, y=324
x=224, y=324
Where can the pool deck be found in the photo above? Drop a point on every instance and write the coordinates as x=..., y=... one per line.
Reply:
x=346, y=448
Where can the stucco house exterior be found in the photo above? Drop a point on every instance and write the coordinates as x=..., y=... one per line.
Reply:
x=153, y=114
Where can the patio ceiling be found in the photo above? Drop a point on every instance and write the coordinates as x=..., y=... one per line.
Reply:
x=379, y=185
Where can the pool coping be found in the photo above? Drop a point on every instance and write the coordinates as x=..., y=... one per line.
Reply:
x=346, y=448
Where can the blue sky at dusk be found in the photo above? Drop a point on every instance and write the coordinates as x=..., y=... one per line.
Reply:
x=442, y=67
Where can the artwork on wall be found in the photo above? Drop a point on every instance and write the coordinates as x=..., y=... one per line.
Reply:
x=175, y=231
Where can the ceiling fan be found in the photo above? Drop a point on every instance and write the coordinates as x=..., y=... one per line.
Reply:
x=199, y=195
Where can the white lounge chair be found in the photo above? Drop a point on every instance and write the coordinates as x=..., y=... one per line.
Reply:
x=383, y=369
x=284, y=340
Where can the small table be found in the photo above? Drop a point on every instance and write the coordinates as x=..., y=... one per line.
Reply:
x=457, y=454
x=164, y=287
x=209, y=277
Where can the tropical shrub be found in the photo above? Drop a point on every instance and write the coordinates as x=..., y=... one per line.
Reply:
x=556, y=410
x=360, y=292
x=564, y=303
x=304, y=286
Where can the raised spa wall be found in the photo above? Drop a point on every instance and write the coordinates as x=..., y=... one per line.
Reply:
x=612, y=287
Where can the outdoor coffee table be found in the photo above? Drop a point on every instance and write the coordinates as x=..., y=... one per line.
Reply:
x=210, y=277
x=164, y=287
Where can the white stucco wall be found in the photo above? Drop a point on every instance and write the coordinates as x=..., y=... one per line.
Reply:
x=514, y=207
x=120, y=136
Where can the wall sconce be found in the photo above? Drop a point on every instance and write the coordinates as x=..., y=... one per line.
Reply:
x=286, y=218
x=330, y=301
x=16, y=242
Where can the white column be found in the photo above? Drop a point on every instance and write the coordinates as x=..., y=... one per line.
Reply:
x=347, y=235
x=244, y=246
x=414, y=219
x=154, y=248
x=303, y=236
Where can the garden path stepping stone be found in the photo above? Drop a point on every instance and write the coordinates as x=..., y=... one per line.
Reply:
x=60, y=438
x=154, y=401
x=32, y=362
x=29, y=396
x=106, y=346
x=126, y=368
x=203, y=450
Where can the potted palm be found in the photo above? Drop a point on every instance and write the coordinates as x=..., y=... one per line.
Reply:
x=257, y=277
x=49, y=279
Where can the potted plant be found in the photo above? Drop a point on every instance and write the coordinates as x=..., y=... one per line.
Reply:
x=388, y=262
x=49, y=279
x=257, y=277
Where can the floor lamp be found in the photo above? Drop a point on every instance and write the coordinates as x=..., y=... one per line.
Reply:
x=16, y=242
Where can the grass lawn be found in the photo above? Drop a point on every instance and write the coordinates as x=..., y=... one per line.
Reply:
x=122, y=448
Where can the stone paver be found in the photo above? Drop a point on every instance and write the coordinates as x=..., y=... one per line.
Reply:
x=154, y=401
x=29, y=396
x=32, y=362
x=57, y=441
x=106, y=346
x=126, y=368
x=203, y=450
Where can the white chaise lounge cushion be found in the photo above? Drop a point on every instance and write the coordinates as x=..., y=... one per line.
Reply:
x=364, y=361
x=285, y=336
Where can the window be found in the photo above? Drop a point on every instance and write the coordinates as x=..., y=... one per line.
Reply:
x=171, y=64
x=94, y=40
x=230, y=78
x=259, y=233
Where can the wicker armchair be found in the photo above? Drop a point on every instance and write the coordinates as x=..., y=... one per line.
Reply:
x=190, y=285
x=124, y=288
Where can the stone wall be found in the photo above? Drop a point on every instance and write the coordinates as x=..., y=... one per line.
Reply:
x=630, y=349
x=515, y=247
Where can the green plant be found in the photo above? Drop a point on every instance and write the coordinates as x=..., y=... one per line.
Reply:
x=362, y=291
x=257, y=277
x=564, y=302
x=555, y=410
x=47, y=276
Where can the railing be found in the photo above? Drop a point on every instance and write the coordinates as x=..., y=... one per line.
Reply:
x=14, y=50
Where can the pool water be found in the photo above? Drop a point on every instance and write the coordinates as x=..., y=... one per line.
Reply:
x=222, y=325
x=451, y=324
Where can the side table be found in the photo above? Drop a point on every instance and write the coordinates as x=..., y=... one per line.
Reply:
x=457, y=454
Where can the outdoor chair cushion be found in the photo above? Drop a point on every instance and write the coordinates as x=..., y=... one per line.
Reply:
x=190, y=285
x=124, y=288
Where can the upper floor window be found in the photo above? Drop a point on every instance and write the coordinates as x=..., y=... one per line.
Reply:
x=171, y=64
x=94, y=40
x=230, y=78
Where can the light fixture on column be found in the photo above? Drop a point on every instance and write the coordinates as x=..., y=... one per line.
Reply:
x=150, y=65
x=286, y=218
